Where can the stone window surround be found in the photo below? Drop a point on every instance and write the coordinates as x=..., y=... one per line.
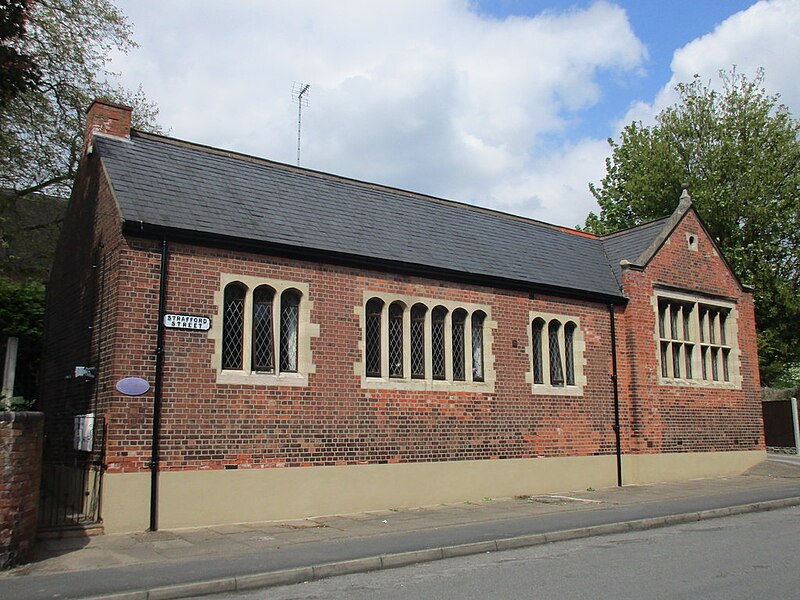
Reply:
x=306, y=330
x=732, y=336
x=428, y=383
x=578, y=349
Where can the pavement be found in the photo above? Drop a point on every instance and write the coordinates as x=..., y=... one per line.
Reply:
x=193, y=562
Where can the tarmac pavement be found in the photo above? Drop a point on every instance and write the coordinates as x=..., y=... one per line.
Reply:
x=191, y=562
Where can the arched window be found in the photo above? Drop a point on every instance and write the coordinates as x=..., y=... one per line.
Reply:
x=263, y=356
x=290, y=321
x=556, y=353
x=438, y=315
x=396, y=310
x=264, y=331
x=538, y=366
x=458, y=338
x=569, y=352
x=418, y=312
x=478, y=319
x=372, y=337
x=422, y=344
x=556, y=368
x=233, y=326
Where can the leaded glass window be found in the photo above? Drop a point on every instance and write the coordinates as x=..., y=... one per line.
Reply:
x=714, y=349
x=477, y=345
x=263, y=339
x=459, y=358
x=714, y=362
x=676, y=330
x=262, y=336
x=676, y=360
x=556, y=368
x=713, y=317
x=233, y=326
x=437, y=342
x=688, y=351
x=433, y=339
x=396, y=340
x=418, y=312
x=538, y=367
x=726, y=376
x=569, y=352
x=372, y=339
x=692, y=333
x=556, y=355
x=290, y=320
x=675, y=312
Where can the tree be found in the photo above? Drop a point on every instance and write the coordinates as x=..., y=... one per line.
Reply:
x=53, y=62
x=18, y=72
x=21, y=309
x=41, y=126
x=22, y=317
x=738, y=149
x=30, y=229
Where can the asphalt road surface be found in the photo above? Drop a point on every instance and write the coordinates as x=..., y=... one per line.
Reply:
x=753, y=556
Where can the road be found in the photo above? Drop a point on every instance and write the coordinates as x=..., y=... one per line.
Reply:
x=742, y=557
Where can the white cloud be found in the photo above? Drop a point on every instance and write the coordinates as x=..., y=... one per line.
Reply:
x=765, y=35
x=555, y=189
x=424, y=95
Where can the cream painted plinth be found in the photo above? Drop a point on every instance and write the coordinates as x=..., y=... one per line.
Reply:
x=657, y=468
x=212, y=497
x=125, y=504
x=199, y=498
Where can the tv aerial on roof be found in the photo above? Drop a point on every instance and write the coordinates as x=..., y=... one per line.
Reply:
x=300, y=93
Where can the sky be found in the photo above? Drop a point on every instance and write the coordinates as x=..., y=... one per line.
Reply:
x=506, y=104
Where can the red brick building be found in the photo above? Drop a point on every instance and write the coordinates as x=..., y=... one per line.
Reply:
x=319, y=345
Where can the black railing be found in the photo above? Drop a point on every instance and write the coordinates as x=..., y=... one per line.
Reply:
x=72, y=482
x=70, y=495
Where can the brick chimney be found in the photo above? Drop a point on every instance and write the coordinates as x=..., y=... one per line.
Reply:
x=108, y=118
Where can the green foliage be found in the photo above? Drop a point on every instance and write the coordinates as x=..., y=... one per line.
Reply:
x=21, y=309
x=16, y=403
x=22, y=316
x=41, y=129
x=28, y=236
x=18, y=72
x=790, y=378
x=738, y=149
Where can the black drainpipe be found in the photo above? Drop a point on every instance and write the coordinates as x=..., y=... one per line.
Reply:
x=154, y=453
x=616, y=391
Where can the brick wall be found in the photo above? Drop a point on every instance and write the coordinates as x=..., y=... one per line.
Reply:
x=333, y=421
x=20, y=475
x=682, y=418
x=81, y=307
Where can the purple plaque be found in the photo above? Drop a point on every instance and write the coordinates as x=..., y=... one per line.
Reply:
x=132, y=386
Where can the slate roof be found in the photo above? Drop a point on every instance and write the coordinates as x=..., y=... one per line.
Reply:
x=631, y=244
x=167, y=183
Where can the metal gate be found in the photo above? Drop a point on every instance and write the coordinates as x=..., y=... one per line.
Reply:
x=72, y=473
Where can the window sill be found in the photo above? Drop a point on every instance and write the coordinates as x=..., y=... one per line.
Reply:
x=699, y=383
x=266, y=379
x=556, y=390
x=426, y=385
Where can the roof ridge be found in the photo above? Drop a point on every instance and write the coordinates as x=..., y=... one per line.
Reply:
x=361, y=183
x=620, y=232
